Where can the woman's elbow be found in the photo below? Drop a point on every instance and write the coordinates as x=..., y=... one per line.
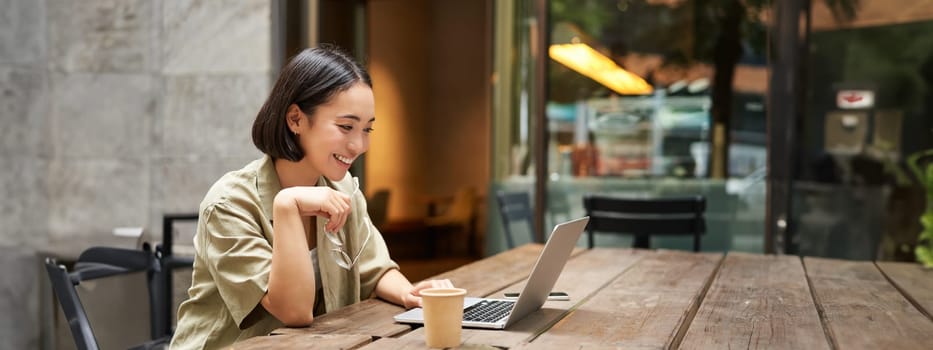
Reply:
x=297, y=319
x=291, y=314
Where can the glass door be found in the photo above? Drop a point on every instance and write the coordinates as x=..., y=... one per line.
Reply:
x=868, y=111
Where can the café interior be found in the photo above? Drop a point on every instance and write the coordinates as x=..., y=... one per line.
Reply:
x=806, y=127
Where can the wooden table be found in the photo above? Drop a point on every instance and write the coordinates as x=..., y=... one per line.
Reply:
x=624, y=298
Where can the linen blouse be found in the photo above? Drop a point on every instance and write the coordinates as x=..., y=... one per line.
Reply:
x=233, y=259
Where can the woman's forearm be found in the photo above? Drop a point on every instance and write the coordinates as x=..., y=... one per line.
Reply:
x=291, y=293
x=394, y=287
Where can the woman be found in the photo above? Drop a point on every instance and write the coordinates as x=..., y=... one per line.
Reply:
x=253, y=271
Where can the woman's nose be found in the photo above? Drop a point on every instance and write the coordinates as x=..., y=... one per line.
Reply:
x=358, y=144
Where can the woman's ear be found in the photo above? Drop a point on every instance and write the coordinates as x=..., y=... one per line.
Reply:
x=293, y=117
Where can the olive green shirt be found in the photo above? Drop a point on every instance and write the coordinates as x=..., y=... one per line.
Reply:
x=234, y=257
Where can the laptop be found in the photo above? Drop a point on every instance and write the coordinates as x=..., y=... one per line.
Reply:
x=500, y=313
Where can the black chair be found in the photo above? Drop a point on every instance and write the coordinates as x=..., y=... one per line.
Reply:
x=378, y=205
x=646, y=217
x=459, y=217
x=515, y=207
x=164, y=316
x=101, y=262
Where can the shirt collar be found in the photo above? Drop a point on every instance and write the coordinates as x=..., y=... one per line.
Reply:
x=267, y=182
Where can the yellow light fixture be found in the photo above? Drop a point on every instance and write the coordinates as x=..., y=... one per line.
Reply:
x=584, y=59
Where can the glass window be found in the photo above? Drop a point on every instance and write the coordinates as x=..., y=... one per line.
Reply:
x=868, y=109
x=634, y=109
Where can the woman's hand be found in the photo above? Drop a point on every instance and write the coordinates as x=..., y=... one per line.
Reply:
x=412, y=298
x=320, y=201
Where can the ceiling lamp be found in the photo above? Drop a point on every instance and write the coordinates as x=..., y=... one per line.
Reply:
x=570, y=48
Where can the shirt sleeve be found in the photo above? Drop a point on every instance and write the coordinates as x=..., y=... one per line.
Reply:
x=239, y=258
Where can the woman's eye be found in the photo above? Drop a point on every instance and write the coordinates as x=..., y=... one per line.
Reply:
x=346, y=127
x=368, y=130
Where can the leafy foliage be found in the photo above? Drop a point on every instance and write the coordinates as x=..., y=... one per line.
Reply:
x=917, y=161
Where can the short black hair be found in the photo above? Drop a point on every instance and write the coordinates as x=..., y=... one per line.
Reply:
x=309, y=80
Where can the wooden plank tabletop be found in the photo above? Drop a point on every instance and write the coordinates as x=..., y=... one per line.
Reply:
x=583, y=275
x=757, y=301
x=647, y=306
x=304, y=341
x=862, y=310
x=624, y=298
x=373, y=317
x=914, y=281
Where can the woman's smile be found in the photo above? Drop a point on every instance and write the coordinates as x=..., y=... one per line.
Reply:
x=343, y=160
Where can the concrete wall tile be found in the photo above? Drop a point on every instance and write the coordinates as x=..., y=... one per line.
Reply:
x=102, y=115
x=211, y=115
x=102, y=35
x=24, y=208
x=214, y=36
x=90, y=197
x=23, y=111
x=112, y=113
x=19, y=298
x=22, y=31
x=180, y=183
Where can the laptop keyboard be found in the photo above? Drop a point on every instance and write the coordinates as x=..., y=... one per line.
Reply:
x=488, y=311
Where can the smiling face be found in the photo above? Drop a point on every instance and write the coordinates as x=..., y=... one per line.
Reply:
x=337, y=133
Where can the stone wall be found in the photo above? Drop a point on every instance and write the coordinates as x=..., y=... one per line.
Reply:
x=112, y=113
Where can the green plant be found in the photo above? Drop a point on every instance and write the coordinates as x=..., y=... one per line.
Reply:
x=921, y=163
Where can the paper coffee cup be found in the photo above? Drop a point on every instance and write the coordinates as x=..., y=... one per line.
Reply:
x=443, y=316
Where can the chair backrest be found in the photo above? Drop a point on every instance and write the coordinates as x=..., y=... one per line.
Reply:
x=74, y=312
x=378, y=205
x=162, y=297
x=461, y=209
x=646, y=217
x=99, y=262
x=459, y=212
x=515, y=207
x=94, y=263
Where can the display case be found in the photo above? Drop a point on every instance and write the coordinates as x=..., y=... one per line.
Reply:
x=633, y=136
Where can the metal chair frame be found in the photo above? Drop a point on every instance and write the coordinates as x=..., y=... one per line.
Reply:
x=514, y=207
x=101, y=262
x=95, y=263
x=644, y=218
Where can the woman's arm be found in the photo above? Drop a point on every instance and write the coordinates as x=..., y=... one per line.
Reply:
x=291, y=294
x=395, y=288
x=290, y=297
